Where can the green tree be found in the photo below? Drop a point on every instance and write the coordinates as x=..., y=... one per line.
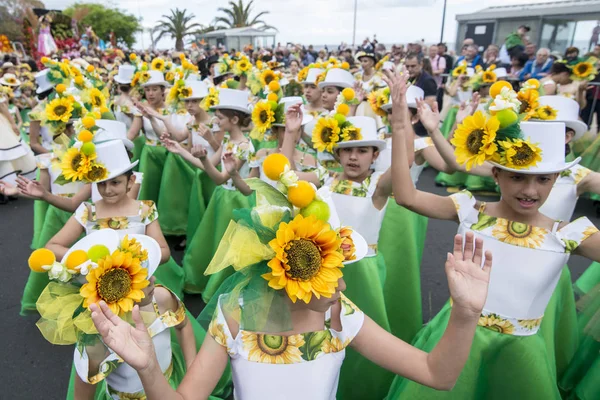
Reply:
x=12, y=12
x=238, y=16
x=103, y=20
x=178, y=25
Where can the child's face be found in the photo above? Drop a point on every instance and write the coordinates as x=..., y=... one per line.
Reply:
x=225, y=123
x=524, y=193
x=357, y=161
x=312, y=93
x=114, y=190
x=192, y=106
x=27, y=92
x=154, y=94
x=329, y=97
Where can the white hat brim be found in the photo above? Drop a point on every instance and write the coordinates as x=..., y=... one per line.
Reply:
x=120, y=171
x=116, y=78
x=42, y=89
x=541, y=168
x=160, y=83
x=380, y=144
x=344, y=85
x=235, y=108
x=17, y=83
x=578, y=126
x=360, y=248
x=153, y=249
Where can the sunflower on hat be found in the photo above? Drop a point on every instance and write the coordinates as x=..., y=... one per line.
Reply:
x=584, y=70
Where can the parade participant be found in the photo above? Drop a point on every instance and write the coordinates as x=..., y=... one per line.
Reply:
x=559, y=82
x=117, y=210
x=369, y=76
x=233, y=115
x=46, y=44
x=312, y=93
x=40, y=138
x=507, y=345
x=265, y=330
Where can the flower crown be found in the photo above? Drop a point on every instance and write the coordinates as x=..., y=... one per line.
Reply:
x=177, y=94
x=86, y=277
x=584, y=70
x=212, y=99
x=335, y=128
x=460, y=69
x=496, y=137
x=379, y=98
x=483, y=77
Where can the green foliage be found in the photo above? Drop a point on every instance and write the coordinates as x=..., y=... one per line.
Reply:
x=237, y=15
x=177, y=25
x=103, y=20
x=12, y=12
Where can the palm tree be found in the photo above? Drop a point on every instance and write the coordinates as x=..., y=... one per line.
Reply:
x=238, y=16
x=178, y=26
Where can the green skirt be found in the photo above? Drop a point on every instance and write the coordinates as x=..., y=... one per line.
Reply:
x=590, y=158
x=152, y=163
x=365, y=280
x=40, y=208
x=171, y=275
x=205, y=241
x=449, y=122
x=559, y=326
x=54, y=220
x=500, y=367
x=582, y=378
x=473, y=183
x=401, y=242
x=222, y=390
x=173, y=200
x=138, y=145
x=197, y=203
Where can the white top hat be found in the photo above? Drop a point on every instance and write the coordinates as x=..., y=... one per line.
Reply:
x=550, y=138
x=42, y=81
x=290, y=101
x=368, y=130
x=567, y=112
x=199, y=89
x=157, y=78
x=230, y=99
x=470, y=71
x=500, y=73
x=10, y=80
x=337, y=77
x=113, y=156
x=311, y=77
x=412, y=94
x=125, y=74
x=111, y=239
x=112, y=130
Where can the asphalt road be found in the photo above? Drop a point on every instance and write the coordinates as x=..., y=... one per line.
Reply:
x=33, y=368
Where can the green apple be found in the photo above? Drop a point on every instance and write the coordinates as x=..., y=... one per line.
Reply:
x=318, y=208
x=88, y=148
x=97, y=252
x=506, y=117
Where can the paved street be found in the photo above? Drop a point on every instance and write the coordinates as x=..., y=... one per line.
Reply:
x=32, y=368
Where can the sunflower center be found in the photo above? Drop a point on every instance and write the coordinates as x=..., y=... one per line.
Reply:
x=263, y=116
x=114, y=285
x=326, y=134
x=475, y=141
x=60, y=110
x=97, y=101
x=96, y=173
x=304, y=259
x=519, y=230
x=76, y=161
x=524, y=106
x=271, y=344
x=523, y=156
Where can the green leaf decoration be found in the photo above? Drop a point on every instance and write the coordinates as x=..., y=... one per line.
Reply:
x=348, y=309
x=313, y=342
x=61, y=180
x=570, y=245
x=510, y=132
x=565, y=173
x=483, y=222
x=109, y=116
x=280, y=113
x=272, y=195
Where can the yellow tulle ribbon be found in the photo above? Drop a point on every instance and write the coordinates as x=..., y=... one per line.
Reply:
x=62, y=140
x=240, y=247
x=56, y=306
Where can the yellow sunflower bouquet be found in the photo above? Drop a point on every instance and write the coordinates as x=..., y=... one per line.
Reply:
x=88, y=274
x=177, y=94
x=334, y=127
x=211, y=100
x=379, y=98
x=584, y=70
x=496, y=137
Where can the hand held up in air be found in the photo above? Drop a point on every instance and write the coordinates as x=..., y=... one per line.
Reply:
x=7, y=189
x=430, y=117
x=30, y=188
x=230, y=163
x=132, y=343
x=293, y=119
x=467, y=280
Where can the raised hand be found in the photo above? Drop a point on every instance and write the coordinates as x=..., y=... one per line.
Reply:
x=430, y=117
x=171, y=145
x=467, y=280
x=230, y=163
x=30, y=188
x=199, y=151
x=293, y=119
x=204, y=131
x=398, y=85
x=359, y=92
x=132, y=344
x=7, y=189
x=148, y=112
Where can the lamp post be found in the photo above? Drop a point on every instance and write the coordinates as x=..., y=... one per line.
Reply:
x=443, y=23
x=354, y=29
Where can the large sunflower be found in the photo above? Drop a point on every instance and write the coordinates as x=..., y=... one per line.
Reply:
x=96, y=98
x=351, y=133
x=489, y=77
x=118, y=280
x=75, y=165
x=307, y=259
x=59, y=109
x=302, y=74
x=519, y=234
x=495, y=323
x=263, y=116
x=326, y=134
x=459, y=70
x=529, y=100
x=583, y=70
x=377, y=99
x=546, y=113
x=158, y=64
x=520, y=154
x=474, y=139
x=96, y=173
x=272, y=349
x=268, y=76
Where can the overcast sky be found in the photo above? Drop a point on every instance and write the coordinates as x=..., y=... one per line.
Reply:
x=324, y=21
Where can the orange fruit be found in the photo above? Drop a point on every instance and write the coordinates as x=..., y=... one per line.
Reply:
x=88, y=122
x=85, y=136
x=90, y=68
x=343, y=109
x=274, y=86
x=60, y=88
x=348, y=94
x=533, y=82
x=302, y=194
x=274, y=165
x=273, y=97
x=76, y=258
x=497, y=87
x=39, y=258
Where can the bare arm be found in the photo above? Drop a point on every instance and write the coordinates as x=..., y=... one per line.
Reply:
x=135, y=128
x=64, y=239
x=83, y=390
x=590, y=248
x=589, y=184
x=35, y=141
x=439, y=369
x=153, y=230
x=383, y=190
